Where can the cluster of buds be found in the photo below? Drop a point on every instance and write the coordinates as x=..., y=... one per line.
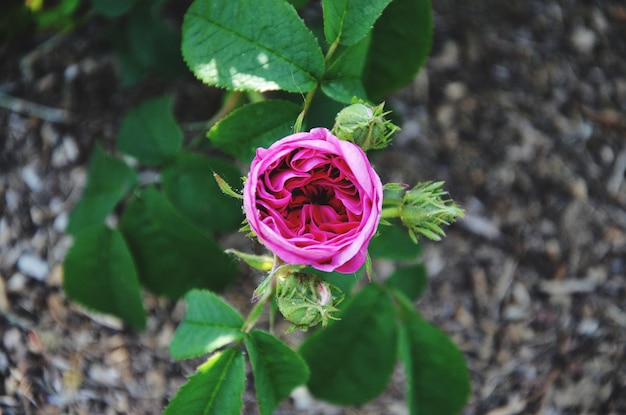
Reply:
x=304, y=298
x=364, y=125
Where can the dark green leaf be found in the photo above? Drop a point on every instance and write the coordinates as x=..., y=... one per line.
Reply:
x=401, y=42
x=215, y=389
x=144, y=42
x=343, y=90
x=438, y=381
x=150, y=133
x=209, y=324
x=189, y=185
x=155, y=45
x=348, y=21
x=171, y=254
x=99, y=273
x=112, y=8
x=411, y=280
x=257, y=45
x=255, y=125
x=277, y=369
x=342, y=80
x=351, y=360
x=109, y=179
x=393, y=242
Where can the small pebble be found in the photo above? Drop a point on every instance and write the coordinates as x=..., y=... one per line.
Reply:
x=49, y=134
x=12, y=339
x=455, y=91
x=588, y=326
x=56, y=206
x=66, y=153
x=37, y=215
x=5, y=232
x=607, y=155
x=578, y=188
x=71, y=72
x=553, y=249
x=33, y=266
x=60, y=223
x=584, y=40
x=30, y=177
x=103, y=375
x=521, y=295
x=4, y=363
x=514, y=313
x=12, y=200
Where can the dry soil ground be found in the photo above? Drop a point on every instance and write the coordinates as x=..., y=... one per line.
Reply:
x=521, y=110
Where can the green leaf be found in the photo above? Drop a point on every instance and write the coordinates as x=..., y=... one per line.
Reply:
x=347, y=21
x=215, y=389
x=257, y=45
x=351, y=361
x=109, y=179
x=342, y=80
x=171, y=254
x=438, y=381
x=277, y=369
x=401, y=41
x=393, y=242
x=209, y=324
x=154, y=44
x=255, y=125
x=112, y=8
x=150, y=133
x=189, y=185
x=410, y=280
x=343, y=90
x=60, y=16
x=145, y=43
x=99, y=273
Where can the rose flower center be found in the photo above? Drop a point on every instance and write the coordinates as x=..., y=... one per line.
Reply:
x=310, y=197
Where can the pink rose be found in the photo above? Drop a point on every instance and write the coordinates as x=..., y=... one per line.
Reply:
x=313, y=199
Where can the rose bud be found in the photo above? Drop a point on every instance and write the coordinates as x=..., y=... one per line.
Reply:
x=306, y=300
x=364, y=125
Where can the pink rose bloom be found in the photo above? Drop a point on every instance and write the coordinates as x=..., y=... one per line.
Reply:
x=313, y=199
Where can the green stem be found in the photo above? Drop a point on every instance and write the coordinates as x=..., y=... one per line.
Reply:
x=309, y=97
x=307, y=103
x=267, y=296
x=255, y=313
x=227, y=107
x=391, y=212
x=255, y=96
x=331, y=51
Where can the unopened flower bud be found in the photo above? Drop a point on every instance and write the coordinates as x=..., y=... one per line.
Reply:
x=306, y=300
x=364, y=125
x=426, y=209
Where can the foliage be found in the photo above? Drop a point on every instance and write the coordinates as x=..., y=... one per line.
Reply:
x=143, y=40
x=166, y=237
